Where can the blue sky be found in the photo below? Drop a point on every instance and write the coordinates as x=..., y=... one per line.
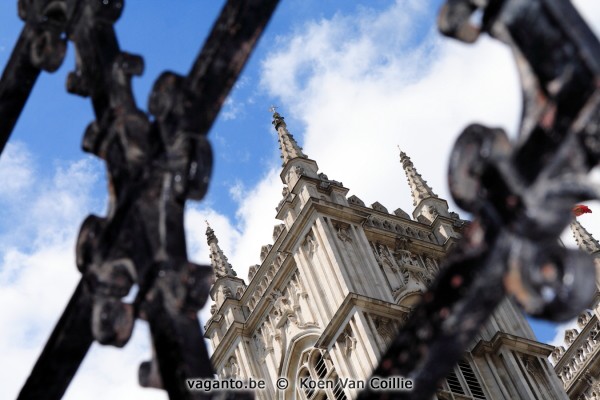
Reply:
x=353, y=79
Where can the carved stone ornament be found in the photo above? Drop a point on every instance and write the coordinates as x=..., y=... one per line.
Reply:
x=343, y=232
x=310, y=244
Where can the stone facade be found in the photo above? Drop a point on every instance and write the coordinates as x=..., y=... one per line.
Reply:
x=338, y=281
x=578, y=365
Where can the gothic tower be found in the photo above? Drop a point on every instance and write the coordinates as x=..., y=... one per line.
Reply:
x=339, y=280
x=578, y=365
x=228, y=313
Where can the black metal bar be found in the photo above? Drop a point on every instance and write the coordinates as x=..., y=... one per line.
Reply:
x=64, y=351
x=41, y=46
x=152, y=169
x=192, y=103
x=97, y=52
x=232, y=40
x=17, y=81
x=176, y=338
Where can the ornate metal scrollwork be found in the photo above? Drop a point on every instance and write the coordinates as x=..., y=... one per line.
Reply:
x=154, y=166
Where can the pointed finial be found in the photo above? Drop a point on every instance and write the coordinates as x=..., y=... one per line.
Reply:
x=278, y=120
x=288, y=145
x=402, y=154
x=210, y=233
x=218, y=259
x=418, y=186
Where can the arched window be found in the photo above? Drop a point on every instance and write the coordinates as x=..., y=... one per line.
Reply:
x=338, y=389
x=319, y=365
x=315, y=366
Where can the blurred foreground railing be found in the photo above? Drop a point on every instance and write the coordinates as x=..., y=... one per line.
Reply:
x=521, y=193
x=153, y=167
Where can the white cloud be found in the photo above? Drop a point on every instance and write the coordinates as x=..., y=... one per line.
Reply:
x=361, y=96
x=236, y=191
x=240, y=241
x=231, y=109
x=16, y=173
x=256, y=214
x=38, y=276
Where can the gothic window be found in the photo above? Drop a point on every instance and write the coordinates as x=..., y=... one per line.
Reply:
x=471, y=379
x=463, y=380
x=320, y=365
x=308, y=391
x=454, y=383
x=316, y=366
x=338, y=389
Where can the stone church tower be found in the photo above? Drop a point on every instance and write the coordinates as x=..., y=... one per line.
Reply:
x=578, y=366
x=339, y=280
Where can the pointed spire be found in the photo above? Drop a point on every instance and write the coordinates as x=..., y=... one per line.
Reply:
x=218, y=260
x=418, y=186
x=584, y=239
x=287, y=143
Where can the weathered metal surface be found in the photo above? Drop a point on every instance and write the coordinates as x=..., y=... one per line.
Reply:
x=153, y=168
x=521, y=193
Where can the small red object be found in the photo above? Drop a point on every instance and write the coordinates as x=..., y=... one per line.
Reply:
x=581, y=209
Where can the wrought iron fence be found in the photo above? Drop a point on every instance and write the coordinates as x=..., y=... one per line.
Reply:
x=154, y=166
x=521, y=193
